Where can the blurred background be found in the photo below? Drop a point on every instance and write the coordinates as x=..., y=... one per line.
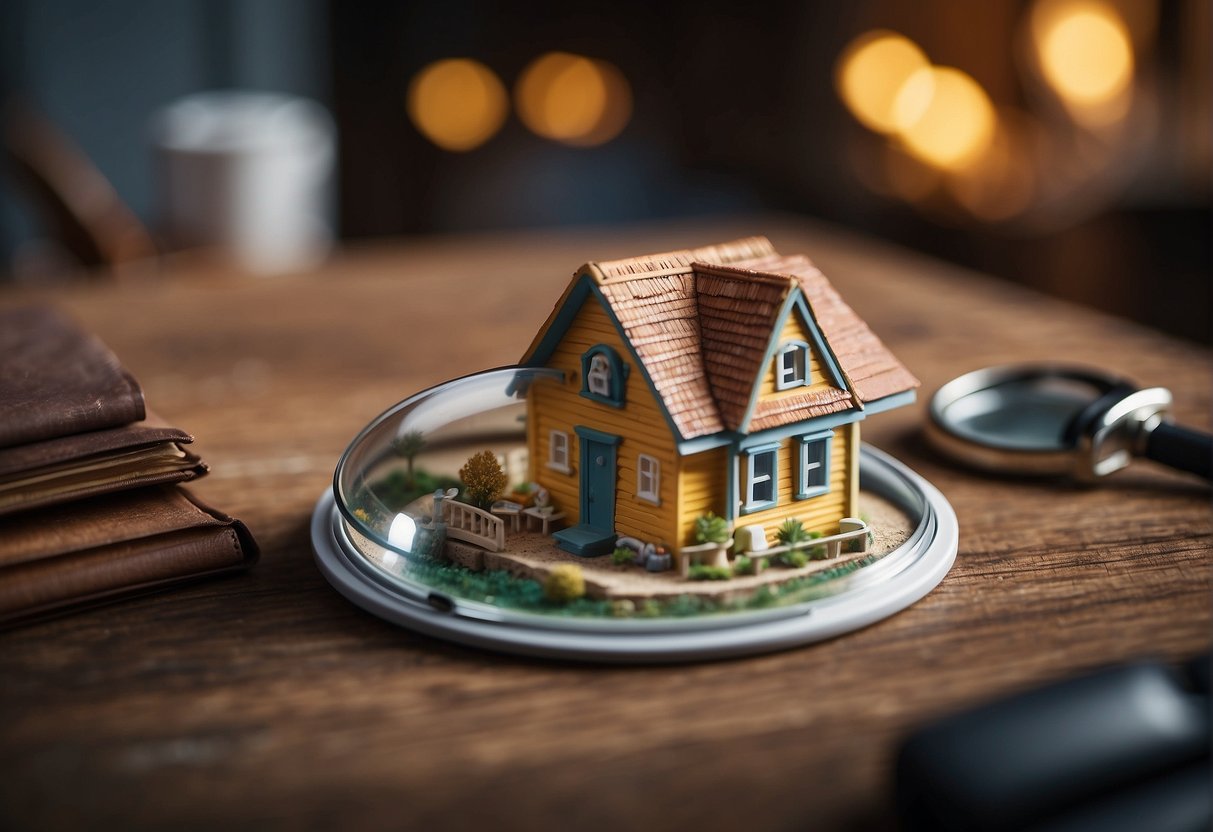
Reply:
x=1063, y=144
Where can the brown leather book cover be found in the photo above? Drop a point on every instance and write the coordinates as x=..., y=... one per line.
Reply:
x=83, y=465
x=58, y=380
x=104, y=548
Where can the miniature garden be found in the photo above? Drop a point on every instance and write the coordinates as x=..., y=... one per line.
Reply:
x=637, y=580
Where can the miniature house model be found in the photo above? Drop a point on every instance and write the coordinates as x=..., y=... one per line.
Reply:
x=728, y=379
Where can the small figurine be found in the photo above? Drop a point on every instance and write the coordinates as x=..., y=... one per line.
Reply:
x=717, y=389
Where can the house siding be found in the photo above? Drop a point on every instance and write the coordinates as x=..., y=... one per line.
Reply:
x=702, y=487
x=640, y=423
x=820, y=513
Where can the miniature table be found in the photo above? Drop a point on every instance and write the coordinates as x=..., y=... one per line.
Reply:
x=545, y=518
x=268, y=700
x=507, y=509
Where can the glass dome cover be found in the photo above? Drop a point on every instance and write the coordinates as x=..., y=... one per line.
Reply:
x=398, y=535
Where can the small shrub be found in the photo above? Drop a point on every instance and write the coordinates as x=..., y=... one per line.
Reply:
x=688, y=605
x=791, y=532
x=622, y=556
x=564, y=583
x=703, y=572
x=711, y=529
x=816, y=552
x=744, y=566
x=650, y=609
x=483, y=478
x=523, y=488
x=623, y=608
x=795, y=558
x=856, y=545
x=764, y=597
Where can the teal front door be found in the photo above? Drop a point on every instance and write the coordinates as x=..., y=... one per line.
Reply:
x=598, y=485
x=594, y=533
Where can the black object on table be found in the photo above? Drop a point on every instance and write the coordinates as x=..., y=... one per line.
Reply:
x=1126, y=748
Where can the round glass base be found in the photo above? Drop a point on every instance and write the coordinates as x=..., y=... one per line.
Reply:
x=352, y=563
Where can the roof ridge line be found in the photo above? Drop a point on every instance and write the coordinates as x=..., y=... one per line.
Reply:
x=604, y=280
x=751, y=275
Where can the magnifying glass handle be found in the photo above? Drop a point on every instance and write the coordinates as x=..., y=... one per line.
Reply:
x=1182, y=448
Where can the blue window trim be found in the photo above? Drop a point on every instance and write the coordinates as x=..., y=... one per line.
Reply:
x=750, y=506
x=804, y=490
x=786, y=347
x=618, y=371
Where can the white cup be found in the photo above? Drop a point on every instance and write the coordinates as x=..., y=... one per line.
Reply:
x=248, y=172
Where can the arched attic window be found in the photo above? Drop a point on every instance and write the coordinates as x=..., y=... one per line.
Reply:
x=602, y=375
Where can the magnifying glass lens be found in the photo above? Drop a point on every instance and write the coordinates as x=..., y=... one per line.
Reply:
x=1055, y=419
x=1024, y=414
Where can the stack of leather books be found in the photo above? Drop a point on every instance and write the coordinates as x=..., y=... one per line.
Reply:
x=91, y=507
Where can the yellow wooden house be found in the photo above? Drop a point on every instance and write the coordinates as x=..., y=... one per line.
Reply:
x=727, y=379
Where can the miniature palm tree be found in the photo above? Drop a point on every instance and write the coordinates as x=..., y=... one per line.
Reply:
x=483, y=478
x=408, y=445
x=791, y=532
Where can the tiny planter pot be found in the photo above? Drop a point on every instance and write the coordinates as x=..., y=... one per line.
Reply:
x=655, y=562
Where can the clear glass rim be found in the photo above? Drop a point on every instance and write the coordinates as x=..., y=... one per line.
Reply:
x=342, y=471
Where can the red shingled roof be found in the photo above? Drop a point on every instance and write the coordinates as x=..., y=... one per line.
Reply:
x=700, y=321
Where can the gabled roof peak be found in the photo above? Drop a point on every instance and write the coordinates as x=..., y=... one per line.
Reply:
x=700, y=322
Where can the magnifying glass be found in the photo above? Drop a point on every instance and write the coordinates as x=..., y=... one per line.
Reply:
x=1054, y=419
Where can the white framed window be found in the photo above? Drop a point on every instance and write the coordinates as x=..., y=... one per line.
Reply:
x=762, y=478
x=648, y=478
x=598, y=380
x=558, y=451
x=792, y=365
x=814, y=465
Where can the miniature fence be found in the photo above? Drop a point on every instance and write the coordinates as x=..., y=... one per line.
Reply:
x=464, y=522
x=702, y=552
x=852, y=529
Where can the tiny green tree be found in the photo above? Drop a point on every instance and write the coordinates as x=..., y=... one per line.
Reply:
x=711, y=529
x=482, y=478
x=408, y=445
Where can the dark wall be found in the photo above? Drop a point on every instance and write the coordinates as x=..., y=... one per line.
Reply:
x=99, y=71
x=734, y=111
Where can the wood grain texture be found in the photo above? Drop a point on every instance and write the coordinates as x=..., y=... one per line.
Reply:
x=267, y=700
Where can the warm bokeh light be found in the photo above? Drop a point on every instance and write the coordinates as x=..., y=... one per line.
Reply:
x=458, y=104
x=870, y=74
x=1002, y=185
x=573, y=99
x=945, y=117
x=1085, y=51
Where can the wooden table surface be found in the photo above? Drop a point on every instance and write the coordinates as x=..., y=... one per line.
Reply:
x=268, y=700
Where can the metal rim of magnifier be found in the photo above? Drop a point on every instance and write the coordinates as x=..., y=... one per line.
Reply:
x=1003, y=459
